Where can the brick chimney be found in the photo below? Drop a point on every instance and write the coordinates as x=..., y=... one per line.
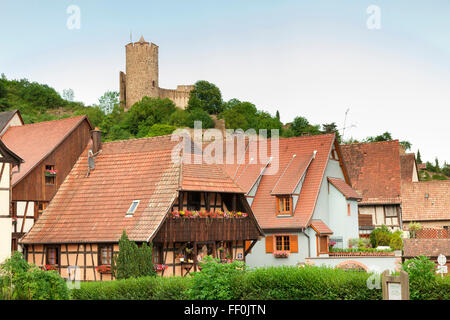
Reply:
x=96, y=140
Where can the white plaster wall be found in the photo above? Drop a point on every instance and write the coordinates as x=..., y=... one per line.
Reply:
x=20, y=212
x=259, y=258
x=5, y=238
x=340, y=223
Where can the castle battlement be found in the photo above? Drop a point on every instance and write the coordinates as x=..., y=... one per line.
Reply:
x=141, y=78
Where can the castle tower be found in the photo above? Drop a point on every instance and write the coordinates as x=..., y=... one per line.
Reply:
x=142, y=77
x=141, y=72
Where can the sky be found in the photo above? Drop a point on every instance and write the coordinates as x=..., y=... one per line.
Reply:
x=315, y=59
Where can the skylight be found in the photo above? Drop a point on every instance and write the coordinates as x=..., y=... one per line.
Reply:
x=132, y=208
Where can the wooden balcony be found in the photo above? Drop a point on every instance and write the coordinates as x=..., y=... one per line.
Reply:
x=206, y=229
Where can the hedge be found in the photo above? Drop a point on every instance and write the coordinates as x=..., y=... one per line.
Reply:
x=145, y=288
x=270, y=283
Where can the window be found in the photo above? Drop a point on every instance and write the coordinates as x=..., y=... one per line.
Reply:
x=105, y=254
x=52, y=256
x=194, y=200
x=157, y=254
x=50, y=174
x=39, y=209
x=284, y=205
x=282, y=243
x=391, y=211
x=132, y=208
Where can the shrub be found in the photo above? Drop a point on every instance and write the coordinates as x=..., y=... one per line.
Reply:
x=23, y=281
x=132, y=261
x=305, y=283
x=413, y=228
x=217, y=281
x=144, y=288
x=380, y=236
x=396, y=242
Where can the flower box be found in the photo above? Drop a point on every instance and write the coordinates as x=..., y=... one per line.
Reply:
x=160, y=267
x=50, y=173
x=48, y=267
x=104, y=269
x=281, y=254
x=207, y=214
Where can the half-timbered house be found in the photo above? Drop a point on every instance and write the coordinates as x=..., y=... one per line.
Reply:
x=9, y=164
x=185, y=210
x=49, y=150
x=303, y=204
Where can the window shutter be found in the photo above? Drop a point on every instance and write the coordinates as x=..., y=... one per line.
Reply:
x=294, y=243
x=277, y=199
x=247, y=245
x=269, y=244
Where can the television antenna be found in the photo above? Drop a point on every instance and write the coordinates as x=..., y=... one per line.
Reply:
x=345, y=122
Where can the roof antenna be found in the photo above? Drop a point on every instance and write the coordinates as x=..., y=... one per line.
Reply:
x=131, y=36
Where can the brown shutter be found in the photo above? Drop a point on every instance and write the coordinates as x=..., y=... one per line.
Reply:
x=294, y=243
x=277, y=199
x=269, y=244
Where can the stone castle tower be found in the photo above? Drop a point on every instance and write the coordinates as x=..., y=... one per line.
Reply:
x=142, y=77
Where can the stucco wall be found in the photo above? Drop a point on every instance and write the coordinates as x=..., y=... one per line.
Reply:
x=259, y=258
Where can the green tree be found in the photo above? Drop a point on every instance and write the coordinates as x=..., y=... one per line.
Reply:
x=205, y=96
x=332, y=128
x=179, y=118
x=301, y=126
x=418, y=158
x=133, y=261
x=68, y=94
x=200, y=115
x=382, y=137
x=160, y=130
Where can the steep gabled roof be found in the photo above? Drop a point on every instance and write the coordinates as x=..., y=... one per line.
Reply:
x=93, y=208
x=264, y=203
x=374, y=170
x=6, y=116
x=426, y=200
x=34, y=142
x=407, y=166
x=345, y=189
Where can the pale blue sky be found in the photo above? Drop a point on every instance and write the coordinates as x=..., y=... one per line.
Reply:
x=308, y=58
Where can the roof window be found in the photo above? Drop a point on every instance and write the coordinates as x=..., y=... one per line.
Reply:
x=132, y=208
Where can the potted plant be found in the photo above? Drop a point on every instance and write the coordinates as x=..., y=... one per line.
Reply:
x=48, y=267
x=14, y=220
x=180, y=257
x=104, y=269
x=281, y=254
x=50, y=173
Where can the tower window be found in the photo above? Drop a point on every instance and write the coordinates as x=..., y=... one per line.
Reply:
x=153, y=83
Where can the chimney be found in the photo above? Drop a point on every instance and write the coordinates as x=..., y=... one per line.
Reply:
x=96, y=140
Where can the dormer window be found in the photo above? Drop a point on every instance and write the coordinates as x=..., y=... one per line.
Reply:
x=132, y=208
x=284, y=205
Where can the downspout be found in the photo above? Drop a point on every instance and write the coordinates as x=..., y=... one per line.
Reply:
x=309, y=242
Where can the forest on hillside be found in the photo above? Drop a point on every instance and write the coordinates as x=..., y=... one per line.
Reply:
x=154, y=116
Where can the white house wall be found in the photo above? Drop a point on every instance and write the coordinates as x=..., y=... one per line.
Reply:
x=29, y=221
x=5, y=238
x=259, y=258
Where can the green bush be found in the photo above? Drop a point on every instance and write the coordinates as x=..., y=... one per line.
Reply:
x=396, y=242
x=144, y=288
x=306, y=283
x=217, y=281
x=380, y=236
x=22, y=281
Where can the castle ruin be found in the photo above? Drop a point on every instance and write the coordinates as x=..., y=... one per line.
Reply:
x=142, y=77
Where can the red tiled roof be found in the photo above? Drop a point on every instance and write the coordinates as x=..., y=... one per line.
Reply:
x=264, y=204
x=290, y=176
x=417, y=207
x=320, y=227
x=93, y=209
x=33, y=142
x=345, y=189
x=407, y=166
x=426, y=247
x=374, y=170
